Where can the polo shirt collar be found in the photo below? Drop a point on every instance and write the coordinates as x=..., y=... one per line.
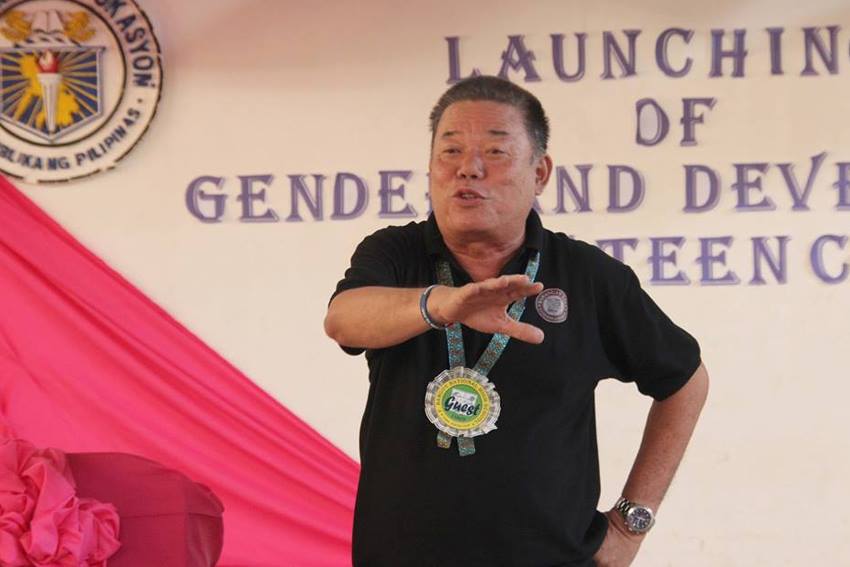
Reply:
x=435, y=246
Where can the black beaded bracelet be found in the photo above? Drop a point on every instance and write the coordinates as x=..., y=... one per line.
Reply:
x=423, y=308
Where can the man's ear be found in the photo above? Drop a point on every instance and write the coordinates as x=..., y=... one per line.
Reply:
x=542, y=172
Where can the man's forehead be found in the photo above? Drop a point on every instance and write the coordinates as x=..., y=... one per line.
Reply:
x=494, y=118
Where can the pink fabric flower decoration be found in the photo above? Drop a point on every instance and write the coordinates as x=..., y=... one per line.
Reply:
x=42, y=521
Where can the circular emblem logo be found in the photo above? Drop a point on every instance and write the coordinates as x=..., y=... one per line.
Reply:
x=462, y=403
x=79, y=85
x=551, y=305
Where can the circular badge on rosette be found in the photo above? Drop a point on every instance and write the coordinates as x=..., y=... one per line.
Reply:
x=462, y=403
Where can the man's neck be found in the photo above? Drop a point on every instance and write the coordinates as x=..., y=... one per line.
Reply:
x=484, y=257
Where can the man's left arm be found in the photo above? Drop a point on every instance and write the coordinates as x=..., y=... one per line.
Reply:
x=666, y=434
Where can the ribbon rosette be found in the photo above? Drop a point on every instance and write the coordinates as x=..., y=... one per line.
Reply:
x=42, y=521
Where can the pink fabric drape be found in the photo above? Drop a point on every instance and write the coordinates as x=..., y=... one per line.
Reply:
x=43, y=522
x=88, y=363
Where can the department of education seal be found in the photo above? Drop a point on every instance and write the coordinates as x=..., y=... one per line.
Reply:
x=79, y=85
x=551, y=305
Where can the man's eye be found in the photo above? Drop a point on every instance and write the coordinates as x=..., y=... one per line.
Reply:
x=451, y=151
x=495, y=151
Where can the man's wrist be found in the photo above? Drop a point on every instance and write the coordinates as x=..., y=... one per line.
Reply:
x=619, y=523
x=430, y=313
x=635, y=517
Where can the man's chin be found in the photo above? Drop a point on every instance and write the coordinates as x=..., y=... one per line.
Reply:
x=473, y=227
x=469, y=219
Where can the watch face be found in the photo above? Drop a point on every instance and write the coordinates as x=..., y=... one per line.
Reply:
x=640, y=519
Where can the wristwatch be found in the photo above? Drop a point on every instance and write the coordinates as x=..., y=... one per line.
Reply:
x=638, y=518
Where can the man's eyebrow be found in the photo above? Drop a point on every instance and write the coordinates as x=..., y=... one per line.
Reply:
x=450, y=133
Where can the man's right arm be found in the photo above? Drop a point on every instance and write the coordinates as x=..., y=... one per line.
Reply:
x=375, y=317
x=379, y=317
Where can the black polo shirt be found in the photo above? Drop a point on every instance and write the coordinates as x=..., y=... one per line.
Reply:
x=528, y=496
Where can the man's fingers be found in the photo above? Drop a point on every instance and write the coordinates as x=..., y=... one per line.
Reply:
x=481, y=299
x=525, y=291
x=515, y=286
x=503, y=282
x=524, y=332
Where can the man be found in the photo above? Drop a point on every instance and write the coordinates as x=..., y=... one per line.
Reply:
x=478, y=443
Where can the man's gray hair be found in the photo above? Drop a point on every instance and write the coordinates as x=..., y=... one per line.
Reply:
x=497, y=90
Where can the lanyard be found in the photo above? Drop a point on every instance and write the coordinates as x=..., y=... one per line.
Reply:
x=454, y=335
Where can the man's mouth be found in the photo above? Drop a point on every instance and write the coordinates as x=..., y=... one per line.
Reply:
x=468, y=194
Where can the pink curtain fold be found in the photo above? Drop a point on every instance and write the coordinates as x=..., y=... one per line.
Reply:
x=88, y=363
x=43, y=522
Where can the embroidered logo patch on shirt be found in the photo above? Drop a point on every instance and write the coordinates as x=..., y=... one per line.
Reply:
x=551, y=305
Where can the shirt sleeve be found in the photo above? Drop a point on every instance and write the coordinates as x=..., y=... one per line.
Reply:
x=644, y=345
x=374, y=263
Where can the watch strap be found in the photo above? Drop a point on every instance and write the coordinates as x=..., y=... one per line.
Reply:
x=623, y=505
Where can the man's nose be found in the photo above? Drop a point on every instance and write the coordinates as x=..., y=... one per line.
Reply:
x=471, y=166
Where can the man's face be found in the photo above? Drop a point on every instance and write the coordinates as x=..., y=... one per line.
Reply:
x=484, y=174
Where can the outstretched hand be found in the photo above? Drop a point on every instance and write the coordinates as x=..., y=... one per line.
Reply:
x=483, y=306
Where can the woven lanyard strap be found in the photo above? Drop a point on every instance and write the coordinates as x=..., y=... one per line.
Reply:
x=454, y=335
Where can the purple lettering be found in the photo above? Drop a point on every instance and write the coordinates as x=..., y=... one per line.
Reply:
x=656, y=122
x=581, y=200
x=247, y=196
x=661, y=47
x=313, y=202
x=692, y=189
x=361, y=196
x=454, y=61
x=776, y=261
x=843, y=186
x=816, y=257
x=615, y=200
x=775, y=50
x=738, y=53
x=801, y=198
x=812, y=39
x=660, y=258
x=518, y=57
x=195, y=197
x=690, y=118
x=709, y=257
x=388, y=192
x=611, y=47
x=744, y=185
x=558, y=57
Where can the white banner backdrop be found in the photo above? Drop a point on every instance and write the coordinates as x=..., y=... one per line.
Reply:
x=306, y=125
